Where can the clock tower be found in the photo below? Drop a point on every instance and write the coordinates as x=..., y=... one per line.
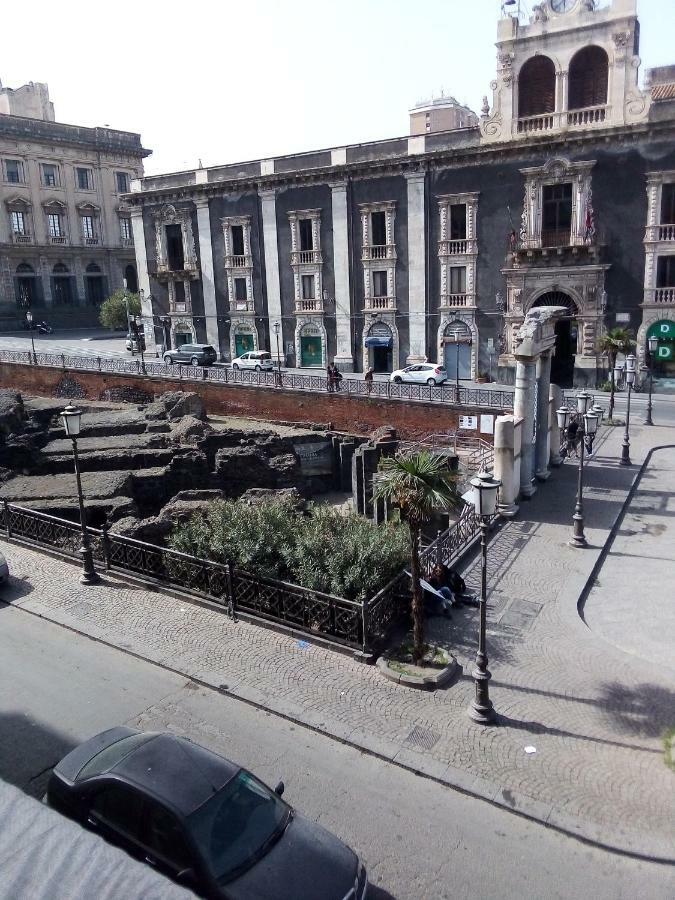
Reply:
x=573, y=67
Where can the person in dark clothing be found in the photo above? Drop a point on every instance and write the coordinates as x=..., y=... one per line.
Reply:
x=368, y=378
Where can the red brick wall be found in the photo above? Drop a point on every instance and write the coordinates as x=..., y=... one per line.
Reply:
x=350, y=414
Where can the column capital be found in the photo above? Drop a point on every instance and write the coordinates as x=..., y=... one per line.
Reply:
x=415, y=176
x=340, y=185
x=136, y=212
x=202, y=203
x=267, y=193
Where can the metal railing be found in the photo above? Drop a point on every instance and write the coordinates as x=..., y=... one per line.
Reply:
x=292, y=381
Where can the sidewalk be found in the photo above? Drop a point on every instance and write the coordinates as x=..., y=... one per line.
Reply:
x=594, y=713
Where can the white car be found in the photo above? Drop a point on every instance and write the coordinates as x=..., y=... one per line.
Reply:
x=424, y=373
x=4, y=569
x=254, y=359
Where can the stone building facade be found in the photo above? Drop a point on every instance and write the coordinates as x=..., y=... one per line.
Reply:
x=436, y=246
x=66, y=240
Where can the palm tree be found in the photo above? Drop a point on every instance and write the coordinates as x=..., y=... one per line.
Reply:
x=618, y=340
x=417, y=484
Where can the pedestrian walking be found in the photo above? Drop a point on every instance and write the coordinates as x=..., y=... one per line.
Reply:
x=337, y=377
x=368, y=378
x=330, y=380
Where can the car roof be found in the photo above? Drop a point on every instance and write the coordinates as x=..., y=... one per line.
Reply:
x=176, y=771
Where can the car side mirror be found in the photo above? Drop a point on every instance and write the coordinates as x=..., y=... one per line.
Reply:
x=279, y=789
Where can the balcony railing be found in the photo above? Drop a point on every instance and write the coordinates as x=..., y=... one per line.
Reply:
x=91, y=241
x=21, y=238
x=660, y=233
x=57, y=239
x=179, y=306
x=454, y=248
x=305, y=306
x=663, y=295
x=305, y=257
x=556, y=238
x=379, y=251
x=380, y=303
x=450, y=300
x=590, y=115
x=238, y=261
x=534, y=124
x=127, y=242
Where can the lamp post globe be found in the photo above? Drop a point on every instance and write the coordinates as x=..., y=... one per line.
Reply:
x=484, y=499
x=71, y=417
x=29, y=320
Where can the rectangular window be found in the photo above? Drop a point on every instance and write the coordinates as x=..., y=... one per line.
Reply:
x=122, y=182
x=379, y=284
x=378, y=228
x=14, y=171
x=18, y=222
x=240, y=290
x=556, y=215
x=84, y=179
x=54, y=225
x=237, y=240
x=665, y=271
x=306, y=237
x=668, y=204
x=458, y=222
x=179, y=288
x=174, y=248
x=307, y=287
x=125, y=229
x=87, y=226
x=49, y=175
x=458, y=279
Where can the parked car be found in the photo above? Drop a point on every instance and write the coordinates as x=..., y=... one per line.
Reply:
x=4, y=569
x=192, y=354
x=254, y=359
x=135, y=344
x=424, y=373
x=202, y=820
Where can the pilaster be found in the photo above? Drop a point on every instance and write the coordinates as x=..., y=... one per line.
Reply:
x=143, y=277
x=416, y=268
x=542, y=447
x=269, y=219
x=206, y=268
x=524, y=408
x=344, y=359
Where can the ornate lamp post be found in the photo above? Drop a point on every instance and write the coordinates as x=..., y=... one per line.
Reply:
x=71, y=418
x=581, y=424
x=29, y=319
x=140, y=340
x=277, y=329
x=630, y=381
x=652, y=347
x=485, y=489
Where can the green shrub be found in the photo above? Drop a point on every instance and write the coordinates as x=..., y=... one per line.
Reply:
x=606, y=386
x=346, y=556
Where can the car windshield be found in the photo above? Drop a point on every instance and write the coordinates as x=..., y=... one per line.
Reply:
x=238, y=825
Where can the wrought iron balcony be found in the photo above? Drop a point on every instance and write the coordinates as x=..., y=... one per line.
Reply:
x=58, y=239
x=91, y=241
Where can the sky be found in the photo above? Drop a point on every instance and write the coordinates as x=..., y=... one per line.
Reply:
x=230, y=81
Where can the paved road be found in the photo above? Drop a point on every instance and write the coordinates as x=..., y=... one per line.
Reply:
x=420, y=840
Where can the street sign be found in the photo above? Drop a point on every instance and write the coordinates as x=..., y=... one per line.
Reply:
x=664, y=330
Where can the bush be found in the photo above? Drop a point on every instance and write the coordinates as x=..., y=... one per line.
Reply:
x=113, y=312
x=346, y=556
x=606, y=386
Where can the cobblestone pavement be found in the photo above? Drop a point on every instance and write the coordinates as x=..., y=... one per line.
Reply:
x=594, y=713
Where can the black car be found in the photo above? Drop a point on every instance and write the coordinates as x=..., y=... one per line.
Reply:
x=201, y=819
x=192, y=354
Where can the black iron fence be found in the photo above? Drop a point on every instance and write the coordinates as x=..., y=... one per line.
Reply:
x=292, y=381
x=360, y=625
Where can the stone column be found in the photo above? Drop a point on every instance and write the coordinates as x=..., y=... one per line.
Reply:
x=416, y=269
x=45, y=274
x=556, y=395
x=269, y=222
x=523, y=408
x=543, y=446
x=143, y=278
x=208, y=281
x=507, y=463
x=344, y=359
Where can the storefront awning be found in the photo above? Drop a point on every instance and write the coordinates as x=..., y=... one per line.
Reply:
x=379, y=342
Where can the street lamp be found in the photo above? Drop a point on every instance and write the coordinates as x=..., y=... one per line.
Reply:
x=71, y=418
x=652, y=347
x=578, y=428
x=277, y=329
x=29, y=319
x=140, y=340
x=630, y=381
x=484, y=500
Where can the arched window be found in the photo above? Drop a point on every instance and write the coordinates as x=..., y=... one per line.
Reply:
x=93, y=268
x=588, y=78
x=25, y=269
x=536, y=87
x=60, y=269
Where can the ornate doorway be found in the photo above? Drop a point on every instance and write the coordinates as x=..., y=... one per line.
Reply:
x=566, y=338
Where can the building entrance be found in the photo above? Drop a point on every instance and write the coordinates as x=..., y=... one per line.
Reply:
x=566, y=331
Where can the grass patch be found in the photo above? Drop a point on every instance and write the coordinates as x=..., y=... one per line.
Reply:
x=669, y=748
x=400, y=659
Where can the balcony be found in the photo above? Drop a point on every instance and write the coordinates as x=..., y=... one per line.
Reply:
x=91, y=241
x=379, y=251
x=166, y=273
x=452, y=301
x=308, y=306
x=180, y=307
x=21, y=238
x=660, y=233
x=537, y=124
x=242, y=306
x=239, y=261
x=585, y=118
x=661, y=296
x=306, y=257
x=380, y=303
x=58, y=239
x=588, y=117
x=127, y=242
x=455, y=248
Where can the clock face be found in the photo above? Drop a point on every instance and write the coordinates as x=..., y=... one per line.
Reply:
x=561, y=6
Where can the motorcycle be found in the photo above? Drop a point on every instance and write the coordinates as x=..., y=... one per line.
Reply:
x=40, y=327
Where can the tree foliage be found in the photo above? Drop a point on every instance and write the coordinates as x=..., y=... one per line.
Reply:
x=114, y=310
x=611, y=344
x=325, y=551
